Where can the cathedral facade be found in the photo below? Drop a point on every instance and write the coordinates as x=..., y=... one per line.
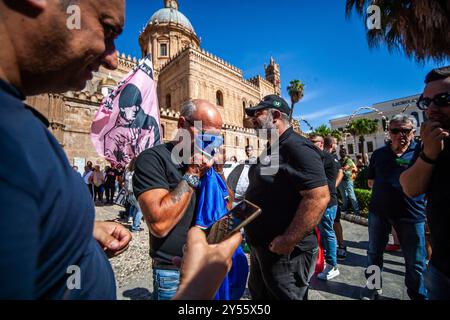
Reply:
x=183, y=71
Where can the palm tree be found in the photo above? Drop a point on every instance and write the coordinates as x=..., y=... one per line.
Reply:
x=361, y=127
x=325, y=131
x=296, y=91
x=419, y=27
x=337, y=134
x=322, y=130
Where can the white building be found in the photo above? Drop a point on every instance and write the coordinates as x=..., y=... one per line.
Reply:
x=385, y=112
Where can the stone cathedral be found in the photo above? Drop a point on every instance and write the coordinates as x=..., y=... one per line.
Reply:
x=183, y=70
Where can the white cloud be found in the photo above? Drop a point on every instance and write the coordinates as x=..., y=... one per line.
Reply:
x=319, y=114
x=330, y=112
x=337, y=116
x=310, y=95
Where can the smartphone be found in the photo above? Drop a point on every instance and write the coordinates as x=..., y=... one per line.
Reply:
x=236, y=219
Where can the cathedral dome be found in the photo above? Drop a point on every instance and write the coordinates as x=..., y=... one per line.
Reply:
x=170, y=14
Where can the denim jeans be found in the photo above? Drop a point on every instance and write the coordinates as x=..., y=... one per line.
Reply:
x=412, y=241
x=328, y=237
x=165, y=283
x=348, y=192
x=437, y=284
x=136, y=214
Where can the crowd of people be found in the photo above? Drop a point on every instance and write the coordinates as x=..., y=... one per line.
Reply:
x=116, y=183
x=294, y=183
x=102, y=183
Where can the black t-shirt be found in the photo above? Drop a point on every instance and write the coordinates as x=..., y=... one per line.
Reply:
x=439, y=212
x=277, y=192
x=332, y=167
x=156, y=170
x=110, y=178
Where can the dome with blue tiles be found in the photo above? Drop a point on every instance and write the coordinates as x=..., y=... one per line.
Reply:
x=170, y=14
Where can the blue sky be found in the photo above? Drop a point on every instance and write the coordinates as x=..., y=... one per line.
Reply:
x=312, y=41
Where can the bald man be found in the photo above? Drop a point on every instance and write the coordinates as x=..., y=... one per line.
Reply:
x=165, y=186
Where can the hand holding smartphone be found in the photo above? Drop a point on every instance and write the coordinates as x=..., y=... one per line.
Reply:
x=236, y=219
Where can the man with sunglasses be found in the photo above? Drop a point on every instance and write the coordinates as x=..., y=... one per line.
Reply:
x=430, y=175
x=389, y=207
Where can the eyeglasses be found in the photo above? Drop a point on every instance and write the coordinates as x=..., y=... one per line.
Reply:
x=440, y=100
x=398, y=130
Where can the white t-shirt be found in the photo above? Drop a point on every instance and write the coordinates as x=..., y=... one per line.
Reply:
x=243, y=183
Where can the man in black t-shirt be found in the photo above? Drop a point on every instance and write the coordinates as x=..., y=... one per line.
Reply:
x=327, y=234
x=293, y=196
x=430, y=175
x=110, y=184
x=166, y=189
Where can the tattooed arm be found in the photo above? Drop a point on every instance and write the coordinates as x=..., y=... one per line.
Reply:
x=163, y=209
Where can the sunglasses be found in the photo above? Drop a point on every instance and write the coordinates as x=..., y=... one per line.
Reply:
x=440, y=100
x=398, y=130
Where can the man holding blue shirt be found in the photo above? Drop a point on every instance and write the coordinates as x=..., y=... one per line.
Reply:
x=390, y=206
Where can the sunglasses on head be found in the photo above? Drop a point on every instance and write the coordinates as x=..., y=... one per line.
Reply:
x=440, y=100
x=398, y=130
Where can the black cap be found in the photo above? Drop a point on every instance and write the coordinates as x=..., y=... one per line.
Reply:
x=270, y=102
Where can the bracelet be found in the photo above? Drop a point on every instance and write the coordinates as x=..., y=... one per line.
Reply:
x=425, y=159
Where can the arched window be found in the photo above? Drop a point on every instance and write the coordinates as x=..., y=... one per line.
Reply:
x=163, y=50
x=219, y=98
x=168, y=101
x=248, y=142
x=416, y=115
x=237, y=141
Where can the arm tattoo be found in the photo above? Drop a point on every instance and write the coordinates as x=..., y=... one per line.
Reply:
x=179, y=191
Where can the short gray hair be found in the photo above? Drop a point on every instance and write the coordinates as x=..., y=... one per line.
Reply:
x=188, y=109
x=403, y=118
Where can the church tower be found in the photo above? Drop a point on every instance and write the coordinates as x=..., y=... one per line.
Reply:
x=167, y=32
x=273, y=75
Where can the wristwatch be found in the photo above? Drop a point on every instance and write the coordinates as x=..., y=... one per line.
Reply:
x=424, y=157
x=192, y=181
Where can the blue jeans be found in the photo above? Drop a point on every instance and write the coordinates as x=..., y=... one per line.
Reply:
x=328, y=237
x=348, y=192
x=412, y=241
x=165, y=283
x=136, y=214
x=437, y=284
